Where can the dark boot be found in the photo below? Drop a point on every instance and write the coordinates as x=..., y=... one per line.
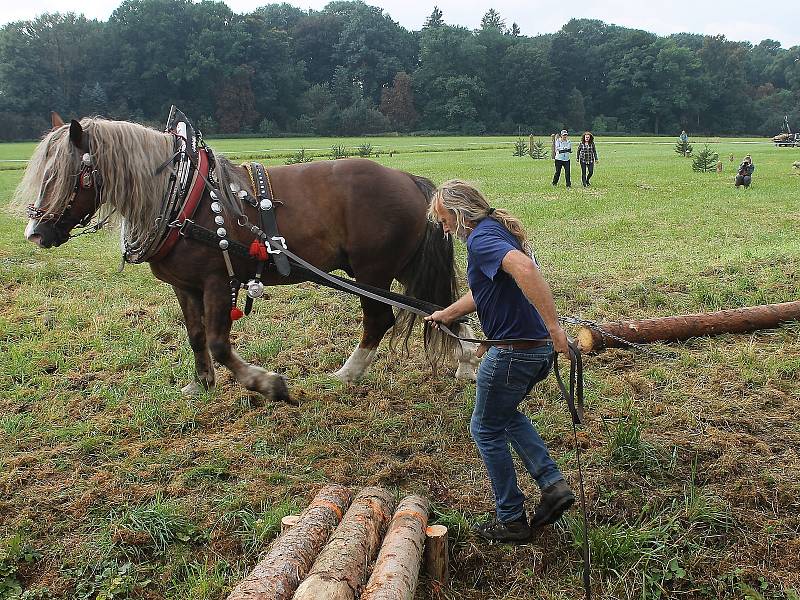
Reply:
x=500, y=531
x=555, y=501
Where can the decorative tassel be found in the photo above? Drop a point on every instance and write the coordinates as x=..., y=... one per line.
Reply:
x=236, y=313
x=258, y=250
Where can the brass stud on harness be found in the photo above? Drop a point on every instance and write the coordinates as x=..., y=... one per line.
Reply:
x=219, y=220
x=221, y=232
x=265, y=204
x=223, y=244
x=215, y=206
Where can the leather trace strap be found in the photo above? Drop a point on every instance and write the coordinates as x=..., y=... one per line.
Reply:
x=266, y=208
x=574, y=399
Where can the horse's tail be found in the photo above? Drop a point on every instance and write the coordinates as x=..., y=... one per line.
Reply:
x=431, y=275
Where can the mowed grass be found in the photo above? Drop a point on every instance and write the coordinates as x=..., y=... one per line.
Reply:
x=111, y=483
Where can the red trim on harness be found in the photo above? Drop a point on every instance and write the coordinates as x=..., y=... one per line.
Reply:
x=192, y=200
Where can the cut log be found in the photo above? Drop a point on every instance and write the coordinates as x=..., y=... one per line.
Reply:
x=340, y=571
x=288, y=522
x=674, y=329
x=290, y=558
x=436, y=557
x=397, y=568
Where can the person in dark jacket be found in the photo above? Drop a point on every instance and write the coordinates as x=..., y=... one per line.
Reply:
x=587, y=156
x=745, y=173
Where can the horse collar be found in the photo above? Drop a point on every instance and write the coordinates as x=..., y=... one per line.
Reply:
x=191, y=198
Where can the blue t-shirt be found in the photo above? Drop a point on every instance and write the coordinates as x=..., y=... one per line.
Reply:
x=503, y=309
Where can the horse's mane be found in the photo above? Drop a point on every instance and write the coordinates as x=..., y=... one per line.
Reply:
x=126, y=156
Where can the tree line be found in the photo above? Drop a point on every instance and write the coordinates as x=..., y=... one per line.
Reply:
x=349, y=69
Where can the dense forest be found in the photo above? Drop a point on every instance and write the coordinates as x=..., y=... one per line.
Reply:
x=351, y=69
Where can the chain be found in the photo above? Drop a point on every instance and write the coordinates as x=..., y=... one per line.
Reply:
x=641, y=348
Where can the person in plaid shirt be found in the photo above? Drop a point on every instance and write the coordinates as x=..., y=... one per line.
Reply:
x=587, y=156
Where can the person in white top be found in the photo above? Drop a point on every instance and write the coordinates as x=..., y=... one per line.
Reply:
x=563, y=149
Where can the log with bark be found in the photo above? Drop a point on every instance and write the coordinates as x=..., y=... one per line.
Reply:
x=397, y=567
x=290, y=558
x=340, y=571
x=674, y=329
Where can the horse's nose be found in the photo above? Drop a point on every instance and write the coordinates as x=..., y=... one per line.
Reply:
x=43, y=235
x=36, y=238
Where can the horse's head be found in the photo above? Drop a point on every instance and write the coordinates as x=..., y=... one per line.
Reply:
x=63, y=183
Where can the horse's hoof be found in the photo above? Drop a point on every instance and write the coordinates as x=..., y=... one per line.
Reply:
x=466, y=371
x=279, y=390
x=193, y=390
x=346, y=376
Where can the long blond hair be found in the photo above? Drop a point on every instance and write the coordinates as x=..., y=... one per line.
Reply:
x=126, y=156
x=470, y=207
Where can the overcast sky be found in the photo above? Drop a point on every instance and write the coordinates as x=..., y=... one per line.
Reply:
x=737, y=19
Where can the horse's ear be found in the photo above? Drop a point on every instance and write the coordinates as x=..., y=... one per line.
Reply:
x=76, y=136
x=55, y=119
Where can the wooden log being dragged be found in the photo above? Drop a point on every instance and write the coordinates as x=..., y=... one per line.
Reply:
x=290, y=558
x=340, y=571
x=674, y=329
x=397, y=568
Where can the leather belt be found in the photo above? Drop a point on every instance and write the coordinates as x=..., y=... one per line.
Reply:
x=522, y=345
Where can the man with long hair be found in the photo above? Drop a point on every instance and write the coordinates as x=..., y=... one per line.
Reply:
x=513, y=301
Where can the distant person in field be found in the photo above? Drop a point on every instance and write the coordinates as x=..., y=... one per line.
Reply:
x=684, y=137
x=513, y=301
x=745, y=173
x=562, y=149
x=587, y=156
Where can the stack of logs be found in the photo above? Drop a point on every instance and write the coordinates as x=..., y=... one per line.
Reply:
x=325, y=552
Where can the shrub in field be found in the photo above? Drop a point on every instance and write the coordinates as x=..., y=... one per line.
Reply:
x=705, y=161
x=339, y=151
x=520, y=147
x=364, y=150
x=537, y=150
x=299, y=157
x=684, y=148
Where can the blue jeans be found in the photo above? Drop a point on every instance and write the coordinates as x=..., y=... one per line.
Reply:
x=505, y=377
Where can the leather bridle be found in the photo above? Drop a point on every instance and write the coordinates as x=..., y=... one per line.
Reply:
x=86, y=178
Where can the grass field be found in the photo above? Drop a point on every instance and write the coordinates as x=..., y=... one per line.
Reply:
x=112, y=485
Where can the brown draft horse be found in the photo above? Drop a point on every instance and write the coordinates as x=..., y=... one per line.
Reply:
x=355, y=215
